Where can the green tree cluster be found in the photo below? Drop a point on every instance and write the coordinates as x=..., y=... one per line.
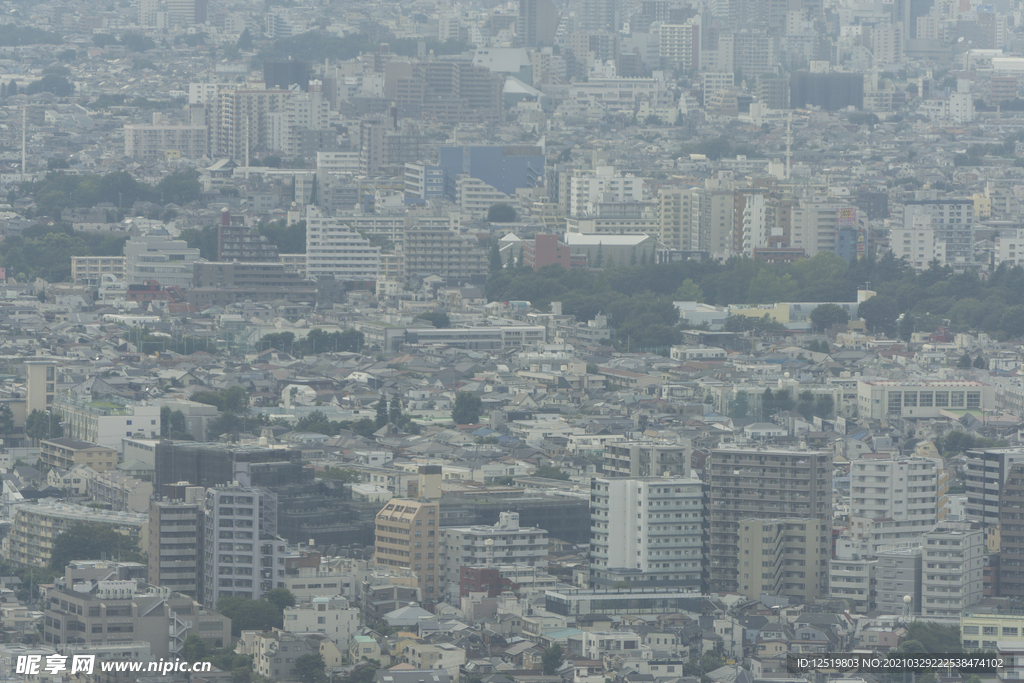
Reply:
x=929, y=296
x=230, y=400
x=315, y=46
x=43, y=425
x=502, y=213
x=550, y=472
x=16, y=33
x=172, y=424
x=467, y=408
x=289, y=239
x=437, y=318
x=58, y=191
x=45, y=251
x=316, y=341
x=92, y=542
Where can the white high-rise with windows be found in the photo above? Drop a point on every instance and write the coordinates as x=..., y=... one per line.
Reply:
x=646, y=531
x=335, y=249
x=243, y=557
x=895, y=501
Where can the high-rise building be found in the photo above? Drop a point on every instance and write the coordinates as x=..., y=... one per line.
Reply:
x=1011, y=533
x=501, y=544
x=243, y=557
x=202, y=464
x=646, y=459
x=598, y=15
x=241, y=122
x=782, y=557
x=659, y=547
x=99, y=603
x=538, y=21
x=175, y=543
x=952, y=223
x=335, y=250
x=897, y=575
x=435, y=250
x=239, y=242
x=895, y=500
x=763, y=483
x=679, y=216
x=987, y=472
x=505, y=168
x=679, y=45
x=951, y=570
x=385, y=148
x=408, y=534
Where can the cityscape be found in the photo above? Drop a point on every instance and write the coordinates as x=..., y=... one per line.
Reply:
x=342, y=341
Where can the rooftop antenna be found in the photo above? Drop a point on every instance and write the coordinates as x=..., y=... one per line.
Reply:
x=24, y=127
x=789, y=142
x=246, y=146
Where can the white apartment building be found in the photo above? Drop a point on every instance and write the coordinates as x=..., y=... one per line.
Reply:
x=715, y=81
x=758, y=221
x=895, y=500
x=679, y=217
x=646, y=531
x=242, y=555
x=152, y=141
x=918, y=243
x=335, y=249
x=331, y=616
x=814, y=225
x=476, y=197
x=160, y=258
x=1010, y=248
x=337, y=163
x=603, y=184
x=853, y=581
x=952, y=222
x=951, y=570
x=107, y=422
x=680, y=44
x=505, y=543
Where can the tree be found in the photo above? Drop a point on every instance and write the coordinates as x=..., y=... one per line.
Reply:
x=965, y=361
x=395, y=411
x=382, y=411
x=280, y=597
x=91, y=542
x=879, y=313
x=825, y=316
x=552, y=659
x=244, y=43
x=502, y=213
x=136, y=42
x=6, y=421
x=437, y=318
x=467, y=408
x=52, y=83
x=310, y=668
x=688, y=291
x=194, y=649
x=40, y=425
x=250, y=615
x=550, y=472
x=494, y=257
x=907, y=327
x=980, y=362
